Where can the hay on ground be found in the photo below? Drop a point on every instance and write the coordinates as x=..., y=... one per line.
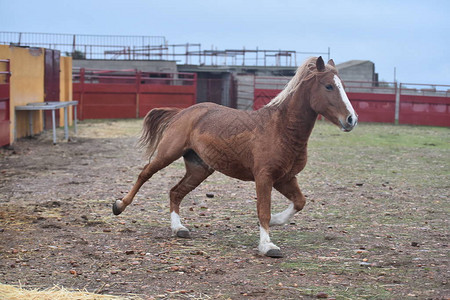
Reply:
x=10, y=292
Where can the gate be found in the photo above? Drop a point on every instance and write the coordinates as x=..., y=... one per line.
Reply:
x=106, y=94
x=220, y=89
x=4, y=102
x=51, y=83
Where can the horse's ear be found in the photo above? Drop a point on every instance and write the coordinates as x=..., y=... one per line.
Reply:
x=331, y=63
x=320, y=64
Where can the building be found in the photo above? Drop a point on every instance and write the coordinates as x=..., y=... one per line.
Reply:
x=358, y=70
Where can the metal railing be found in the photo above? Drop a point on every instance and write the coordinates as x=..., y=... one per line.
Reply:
x=375, y=87
x=81, y=46
x=183, y=53
x=131, y=76
x=440, y=90
x=117, y=47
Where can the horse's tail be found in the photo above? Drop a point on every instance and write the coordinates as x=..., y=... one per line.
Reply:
x=155, y=123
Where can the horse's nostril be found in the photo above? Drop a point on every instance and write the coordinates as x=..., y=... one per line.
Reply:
x=350, y=120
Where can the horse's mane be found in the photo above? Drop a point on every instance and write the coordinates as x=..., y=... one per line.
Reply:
x=304, y=72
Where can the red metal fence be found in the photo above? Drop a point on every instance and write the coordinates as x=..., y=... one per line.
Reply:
x=4, y=103
x=104, y=94
x=383, y=102
x=424, y=106
x=373, y=102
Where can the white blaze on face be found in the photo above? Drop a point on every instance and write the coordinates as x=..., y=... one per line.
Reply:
x=344, y=97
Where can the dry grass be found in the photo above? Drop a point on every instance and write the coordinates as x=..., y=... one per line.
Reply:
x=10, y=292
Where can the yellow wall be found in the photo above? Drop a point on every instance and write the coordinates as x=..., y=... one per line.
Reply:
x=3, y=68
x=65, y=87
x=27, y=85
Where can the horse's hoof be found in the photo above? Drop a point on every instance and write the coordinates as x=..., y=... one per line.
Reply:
x=183, y=234
x=115, y=209
x=274, y=253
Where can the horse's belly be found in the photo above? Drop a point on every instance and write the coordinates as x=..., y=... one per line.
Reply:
x=227, y=161
x=238, y=173
x=230, y=167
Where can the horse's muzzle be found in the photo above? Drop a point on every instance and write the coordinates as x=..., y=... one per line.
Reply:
x=350, y=122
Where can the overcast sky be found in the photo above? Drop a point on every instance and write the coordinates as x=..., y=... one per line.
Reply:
x=413, y=35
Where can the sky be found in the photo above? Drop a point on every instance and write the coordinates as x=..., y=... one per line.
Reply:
x=411, y=36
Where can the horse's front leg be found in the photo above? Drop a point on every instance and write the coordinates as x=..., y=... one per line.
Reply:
x=290, y=190
x=263, y=193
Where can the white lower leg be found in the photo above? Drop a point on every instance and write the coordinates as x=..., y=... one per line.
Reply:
x=264, y=243
x=175, y=223
x=283, y=217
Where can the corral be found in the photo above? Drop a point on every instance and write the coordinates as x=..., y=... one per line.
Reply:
x=374, y=226
x=157, y=79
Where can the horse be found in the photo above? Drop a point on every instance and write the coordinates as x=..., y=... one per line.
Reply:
x=267, y=146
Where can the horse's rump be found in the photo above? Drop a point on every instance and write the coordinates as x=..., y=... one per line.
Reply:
x=155, y=123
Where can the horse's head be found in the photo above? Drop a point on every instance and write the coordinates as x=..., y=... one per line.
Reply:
x=328, y=96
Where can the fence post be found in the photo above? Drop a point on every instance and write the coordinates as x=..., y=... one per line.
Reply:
x=195, y=89
x=82, y=84
x=398, y=87
x=138, y=90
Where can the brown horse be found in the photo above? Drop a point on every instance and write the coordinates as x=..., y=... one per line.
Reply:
x=267, y=146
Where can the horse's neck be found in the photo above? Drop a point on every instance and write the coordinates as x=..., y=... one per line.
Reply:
x=296, y=119
x=301, y=117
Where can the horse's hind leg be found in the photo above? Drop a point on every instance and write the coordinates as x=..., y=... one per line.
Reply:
x=290, y=190
x=148, y=171
x=196, y=172
x=169, y=150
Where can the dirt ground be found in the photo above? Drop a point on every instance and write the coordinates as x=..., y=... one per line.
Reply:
x=376, y=223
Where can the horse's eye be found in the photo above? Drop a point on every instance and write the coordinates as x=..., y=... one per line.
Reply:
x=329, y=87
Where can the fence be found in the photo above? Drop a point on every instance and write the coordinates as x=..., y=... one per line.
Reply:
x=373, y=102
x=84, y=46
x=106, y=94
x=118, y=47
x=428, y=105
x=384, y=102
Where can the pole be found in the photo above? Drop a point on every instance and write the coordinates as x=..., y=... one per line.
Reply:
x=54, y=126
x=66, y=124
x=398, y=87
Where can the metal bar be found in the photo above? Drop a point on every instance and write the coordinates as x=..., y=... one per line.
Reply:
x=66, y=124
x=75, y=121
x=54, y=126
x=398, y=87
x=30, y=122
x=15, y=126
x=427, y=84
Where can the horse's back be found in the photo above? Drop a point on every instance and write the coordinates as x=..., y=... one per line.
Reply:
x=220, y=136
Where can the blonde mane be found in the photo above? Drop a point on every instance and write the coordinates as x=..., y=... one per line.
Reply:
x=303, y=72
